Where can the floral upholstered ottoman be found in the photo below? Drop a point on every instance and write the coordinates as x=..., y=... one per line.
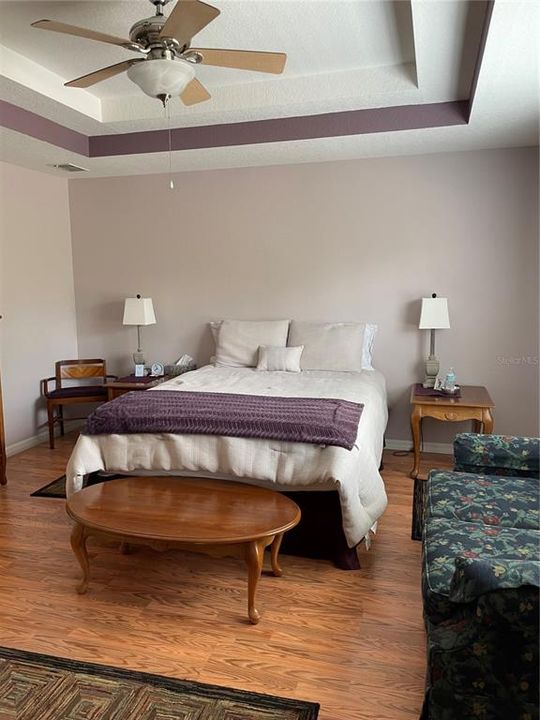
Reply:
x=480, y=581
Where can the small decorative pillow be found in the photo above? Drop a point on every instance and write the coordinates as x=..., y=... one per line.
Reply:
x=280, y=358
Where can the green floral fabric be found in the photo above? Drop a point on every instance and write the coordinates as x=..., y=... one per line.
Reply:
x=474, y=577
x=447, y=540
x=480, y=584
x=483, y=660
x=497, y=454
x=494, y=501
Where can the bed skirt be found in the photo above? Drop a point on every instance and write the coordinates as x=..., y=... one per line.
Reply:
x=319, y=533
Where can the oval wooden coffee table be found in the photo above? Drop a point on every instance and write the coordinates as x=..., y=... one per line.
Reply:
x=217, y=517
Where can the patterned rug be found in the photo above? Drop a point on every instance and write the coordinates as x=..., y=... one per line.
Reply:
x=34, y=686
x=418, y=509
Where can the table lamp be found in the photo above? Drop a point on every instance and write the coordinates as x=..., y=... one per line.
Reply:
x=433, y=316
x=139, y=311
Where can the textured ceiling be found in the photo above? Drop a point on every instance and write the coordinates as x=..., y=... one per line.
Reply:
x=338, y=51
x=342, y=56
x=319, y=37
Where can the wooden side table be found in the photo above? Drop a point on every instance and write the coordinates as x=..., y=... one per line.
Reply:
x=115, y=388
x=474, y=404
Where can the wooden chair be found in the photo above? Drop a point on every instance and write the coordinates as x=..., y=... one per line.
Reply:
x=73, y=394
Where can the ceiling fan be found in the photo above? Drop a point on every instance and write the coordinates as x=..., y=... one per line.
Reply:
x=168, y=65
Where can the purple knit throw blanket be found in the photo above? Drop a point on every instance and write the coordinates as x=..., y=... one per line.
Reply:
x=319, y=421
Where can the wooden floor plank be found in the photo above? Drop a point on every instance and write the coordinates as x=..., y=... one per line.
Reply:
x=352, y=641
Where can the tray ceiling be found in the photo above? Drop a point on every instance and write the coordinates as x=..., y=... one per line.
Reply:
x=343, y=55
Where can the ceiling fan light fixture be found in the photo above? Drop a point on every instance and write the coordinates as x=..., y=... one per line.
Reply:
x=158, y=77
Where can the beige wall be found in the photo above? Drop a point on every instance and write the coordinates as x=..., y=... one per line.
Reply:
x=36, y=293
x=336, y=241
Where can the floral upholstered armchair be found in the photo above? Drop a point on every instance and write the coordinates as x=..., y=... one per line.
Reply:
x=480, y=581
x=497, y=455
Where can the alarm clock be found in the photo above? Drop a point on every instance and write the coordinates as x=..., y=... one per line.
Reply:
x=157, y=369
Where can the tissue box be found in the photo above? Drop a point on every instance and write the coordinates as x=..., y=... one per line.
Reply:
x=174, y=370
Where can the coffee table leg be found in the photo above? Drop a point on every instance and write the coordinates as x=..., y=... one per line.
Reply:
x=78, y=545
x=254, y=560
x=274, y=552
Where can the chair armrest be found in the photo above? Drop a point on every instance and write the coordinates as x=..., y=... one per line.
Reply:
x=44, y=385
x=477, y=576
x=497, y=454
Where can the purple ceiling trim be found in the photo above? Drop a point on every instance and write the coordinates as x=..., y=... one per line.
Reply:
x=352, y=122
x=28, y=123
x=337, y=124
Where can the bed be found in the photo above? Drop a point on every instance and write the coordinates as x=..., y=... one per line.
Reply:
x=285, y=466
x=288, y=365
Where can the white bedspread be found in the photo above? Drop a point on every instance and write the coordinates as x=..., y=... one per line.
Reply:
x=270, y=463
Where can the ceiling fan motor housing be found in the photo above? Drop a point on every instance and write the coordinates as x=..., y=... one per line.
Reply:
x=146, y=31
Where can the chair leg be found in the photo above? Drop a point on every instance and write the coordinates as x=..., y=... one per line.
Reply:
x=61, y=418
x=50, y=419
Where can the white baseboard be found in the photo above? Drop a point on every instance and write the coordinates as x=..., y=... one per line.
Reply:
x=431, y=447
x=41, y=437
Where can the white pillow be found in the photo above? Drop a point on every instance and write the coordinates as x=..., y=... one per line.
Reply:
x=333, y=346
x=238, y=341
x=280, y=358
x=367, y=348
x=214, y=329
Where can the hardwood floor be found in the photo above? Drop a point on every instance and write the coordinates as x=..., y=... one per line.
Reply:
x=352, y=641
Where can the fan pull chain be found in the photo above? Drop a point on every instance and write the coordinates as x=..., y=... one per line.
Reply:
x=167, y=110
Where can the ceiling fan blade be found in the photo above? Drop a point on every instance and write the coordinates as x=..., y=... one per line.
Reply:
x=81, y=32
x=187, y=18
x=268, y=62
x=194, y=93
x=99, y=75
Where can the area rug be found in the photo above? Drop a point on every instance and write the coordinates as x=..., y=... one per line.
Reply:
x=36, y=686
x=418, y=509
x=57, y=488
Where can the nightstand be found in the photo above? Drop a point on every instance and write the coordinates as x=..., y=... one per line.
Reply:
x=474, y=404
x=115, y=388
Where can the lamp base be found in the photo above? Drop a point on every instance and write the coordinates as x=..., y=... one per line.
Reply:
x=138, y=358
x=432, y=370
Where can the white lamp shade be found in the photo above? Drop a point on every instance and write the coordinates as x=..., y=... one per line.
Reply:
x=434, y=314
x=162, y=77
x=139, y=311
